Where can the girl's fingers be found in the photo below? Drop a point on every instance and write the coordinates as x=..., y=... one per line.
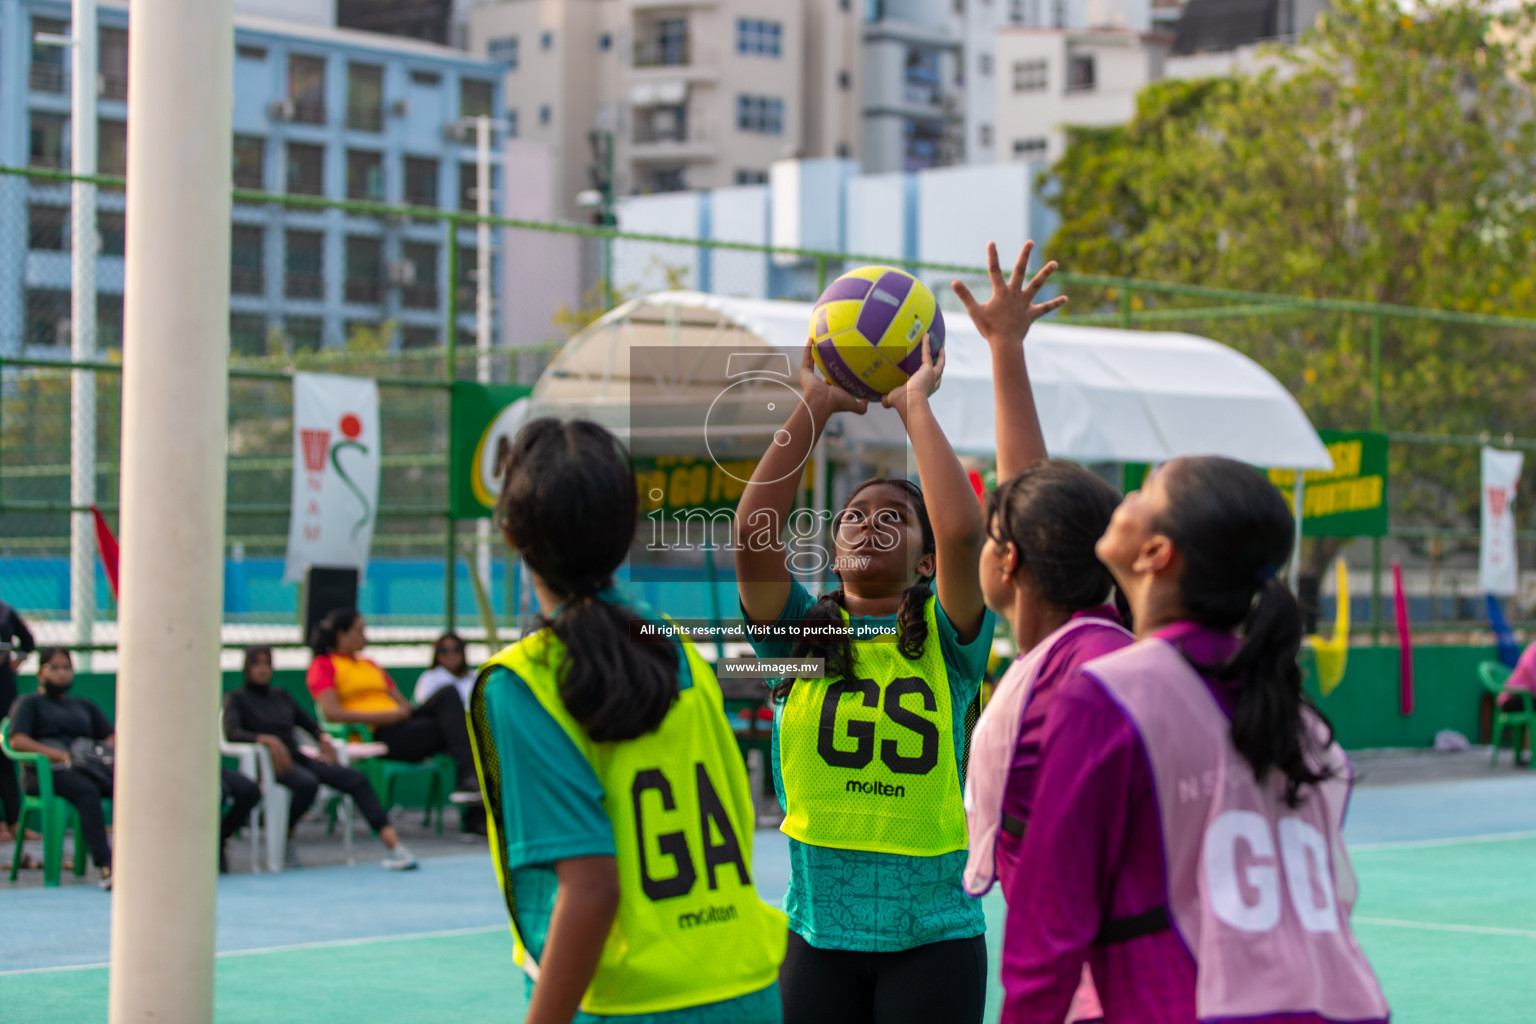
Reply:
x=1022, y=266
x=807, y=360
x=1052, y=306
x=1038, y=281
x=994, y=269
x=966, y=298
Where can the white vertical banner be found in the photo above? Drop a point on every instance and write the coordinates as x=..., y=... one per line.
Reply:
x=1498, y=570
x=336, y=442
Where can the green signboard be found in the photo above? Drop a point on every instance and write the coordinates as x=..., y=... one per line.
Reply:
x=1349, y=500
x=482, y=415
x=678, y=483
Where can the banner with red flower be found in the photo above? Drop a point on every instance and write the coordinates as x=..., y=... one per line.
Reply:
x=336, y=454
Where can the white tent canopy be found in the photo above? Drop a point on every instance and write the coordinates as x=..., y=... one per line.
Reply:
x=1104, y=395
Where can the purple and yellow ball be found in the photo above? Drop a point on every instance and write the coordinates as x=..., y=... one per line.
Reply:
x=867, y=330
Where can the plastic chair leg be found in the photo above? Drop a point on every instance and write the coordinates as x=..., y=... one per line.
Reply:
x=53, y=841
x=275, y=799
x=21, y=836
x=1499, y=725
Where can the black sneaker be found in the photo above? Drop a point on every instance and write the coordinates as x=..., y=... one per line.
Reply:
x=223, y=860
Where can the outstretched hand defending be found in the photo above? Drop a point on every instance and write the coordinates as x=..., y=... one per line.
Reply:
x=1008, y=314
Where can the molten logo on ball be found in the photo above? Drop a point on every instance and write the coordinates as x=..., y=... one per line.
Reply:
x=868, y=329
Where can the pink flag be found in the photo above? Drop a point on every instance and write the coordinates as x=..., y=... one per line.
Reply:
x=1404, y=640
x=106, y=544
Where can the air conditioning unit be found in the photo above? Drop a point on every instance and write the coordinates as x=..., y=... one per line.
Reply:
x=402, y=273
x=281, y=110
x=399, y=108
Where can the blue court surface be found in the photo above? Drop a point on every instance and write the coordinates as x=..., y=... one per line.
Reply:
x=1447, y=914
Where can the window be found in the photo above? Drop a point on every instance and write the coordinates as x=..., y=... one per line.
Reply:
x=844, y=80
x=844, y=151
x=365, y=175
x=47, y=74
x=667, y=123
x=426, y=78
x=758, y=38
x=984, y=64
x=418, y=337
x=984, y=134
x=546, y=40
x=112, y=61
x=248, y=259
x=303, y=333
x=365, y=97
x=469, y=267
x=605, y=42
x=421, y=181
x=475, y=98
x=763, y=114
x=421, y=293
x=1016, y=13
x=544, y=114
x=112, y=229
x=1079, y=73
x=247, y=52
x=112, y=147
x=922, y=82
x=503, y=51
x=47, y=318
x=1029, y=149
x=511, y=120
x=664, y=45
x=250, y=162
x=109, y=321
x=751, y=177
x=668, y=179
x=469, y=184
x=1029, y=75
x=303, y=265
x=46, y=227
x=46, y=140
x=306, y=169
x=306, y=88
x=1058, y=13
x=248, y=334
x=365, y=269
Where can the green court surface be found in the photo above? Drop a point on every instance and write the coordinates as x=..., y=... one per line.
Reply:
x=1449, y=924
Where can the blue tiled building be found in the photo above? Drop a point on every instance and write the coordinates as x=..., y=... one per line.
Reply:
x=319, y=111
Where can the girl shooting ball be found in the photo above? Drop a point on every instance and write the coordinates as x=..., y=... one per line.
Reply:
x=866, y=760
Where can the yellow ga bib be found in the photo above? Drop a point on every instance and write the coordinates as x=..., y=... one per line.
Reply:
x=690, y=929
x=869, y=763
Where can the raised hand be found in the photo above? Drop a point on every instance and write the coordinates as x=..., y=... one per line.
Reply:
x=1007, y=315
x=821, y=395
x=924, y=382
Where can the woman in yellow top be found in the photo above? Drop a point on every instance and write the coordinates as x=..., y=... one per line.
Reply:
x=353, y=689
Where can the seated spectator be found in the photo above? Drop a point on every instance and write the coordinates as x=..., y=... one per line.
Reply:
x=352, y=689
x=259, y=712
x=449, y=668
x=74, y=734
x=1521, y=680
x=241, y=795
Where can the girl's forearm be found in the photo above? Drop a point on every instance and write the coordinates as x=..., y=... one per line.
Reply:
x=587, y=903
x=1020, y=443
x=776, y=479
x=952, y=506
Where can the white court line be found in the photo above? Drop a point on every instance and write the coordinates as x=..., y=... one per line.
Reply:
x=263, y=950
x=1419, y=844
x=1474, y=929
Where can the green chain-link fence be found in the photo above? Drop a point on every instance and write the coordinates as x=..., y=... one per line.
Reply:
x=371, y=289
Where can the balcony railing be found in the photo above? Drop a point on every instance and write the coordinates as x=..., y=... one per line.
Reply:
x=309, y=112
x=419, y=296
x=114, y=86
x=652, y=53
x=303, y=284
x=49, y=78
x=662, y=132
x=363, y=289
x=364, y=118
x=247, y=280
x=53, y=160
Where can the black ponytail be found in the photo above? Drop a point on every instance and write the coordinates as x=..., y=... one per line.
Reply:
x=911, y=620
x=1234, y=533
x=322, y=639
x=569, y=505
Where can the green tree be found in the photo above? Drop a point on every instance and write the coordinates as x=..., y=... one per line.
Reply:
x=1386, y=158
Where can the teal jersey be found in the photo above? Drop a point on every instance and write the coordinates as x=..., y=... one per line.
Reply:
x=552, y=810
x=883, y=902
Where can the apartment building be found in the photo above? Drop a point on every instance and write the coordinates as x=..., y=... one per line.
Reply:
x=695, y=93
x=318, y=111
x=1050, y=78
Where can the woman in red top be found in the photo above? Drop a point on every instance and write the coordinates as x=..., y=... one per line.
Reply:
x=351, y=689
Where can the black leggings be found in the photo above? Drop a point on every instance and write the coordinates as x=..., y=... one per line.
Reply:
x=940, y=982
x=241, y=795
x=82, y=791
x=437, y=727
x=306, y=777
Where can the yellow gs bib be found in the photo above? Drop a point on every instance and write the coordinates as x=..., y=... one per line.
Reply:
x=869, y=763
x=690, y=929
